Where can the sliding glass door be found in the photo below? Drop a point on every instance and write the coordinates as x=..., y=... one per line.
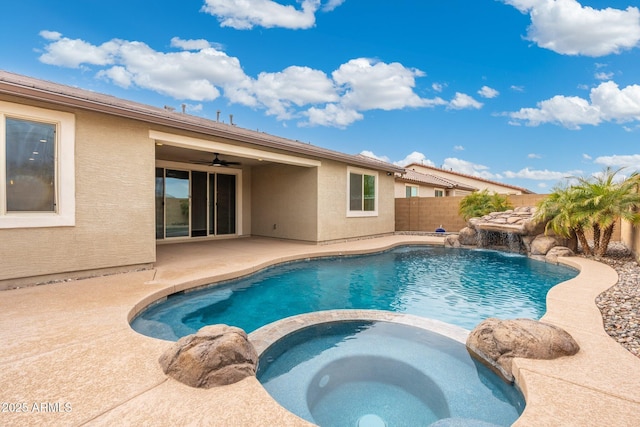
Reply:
x=195, y=203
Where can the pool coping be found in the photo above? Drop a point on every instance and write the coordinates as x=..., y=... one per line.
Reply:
x=264, y=337
x=71, y=342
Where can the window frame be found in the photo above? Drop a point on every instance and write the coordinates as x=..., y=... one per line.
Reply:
x=411, y=188
x=64, y=168
x=376, y=180
x=439, y=193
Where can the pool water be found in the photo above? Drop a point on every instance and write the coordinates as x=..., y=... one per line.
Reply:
x=363, y=373
x=457, y=286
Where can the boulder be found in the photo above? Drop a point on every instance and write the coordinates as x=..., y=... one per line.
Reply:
x=468, y=236
x=496, y=342
x=216, y=355
x=557, y=251
x=542, y=244
x=452, y=241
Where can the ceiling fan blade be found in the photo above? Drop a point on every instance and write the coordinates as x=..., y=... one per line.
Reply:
x=215, y=162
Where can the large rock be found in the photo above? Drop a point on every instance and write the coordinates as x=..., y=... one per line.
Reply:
x=216, y=355
x=496, y=342
x=468, y=236
x=452, y=241
x=557, y=251
x=542, y=244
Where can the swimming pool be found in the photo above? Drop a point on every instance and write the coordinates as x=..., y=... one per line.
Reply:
x=457, y=286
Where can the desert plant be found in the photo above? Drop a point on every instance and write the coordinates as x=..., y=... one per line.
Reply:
x=562, y=217
x=481, y=203
x=595, y=202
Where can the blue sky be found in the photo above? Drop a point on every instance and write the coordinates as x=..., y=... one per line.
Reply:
x=524, y=92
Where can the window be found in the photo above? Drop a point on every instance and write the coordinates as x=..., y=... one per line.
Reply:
x=439, y=193
x=363, y=192
x=412, y=191
x=37, y=176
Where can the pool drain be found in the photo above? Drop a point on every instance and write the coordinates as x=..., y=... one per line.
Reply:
x=371, y=420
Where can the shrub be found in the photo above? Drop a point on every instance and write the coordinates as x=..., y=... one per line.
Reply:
x=482, y=203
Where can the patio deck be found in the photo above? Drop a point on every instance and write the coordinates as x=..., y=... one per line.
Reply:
x=69, y=356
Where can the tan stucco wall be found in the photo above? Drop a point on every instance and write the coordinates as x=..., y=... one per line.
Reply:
x=333, y=222
x=114, y=174
x=630, y=236
x=400, y=188
x=284, y=202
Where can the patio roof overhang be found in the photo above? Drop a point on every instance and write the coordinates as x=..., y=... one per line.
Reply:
x=198, y=144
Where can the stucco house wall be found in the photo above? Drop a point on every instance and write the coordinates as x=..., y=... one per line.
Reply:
x=114, y=215
x=286, y=201
x=333, y=221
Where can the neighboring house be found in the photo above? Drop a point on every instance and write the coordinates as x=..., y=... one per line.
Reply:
x=416, y=184
x=428, y=181
x=92, y=183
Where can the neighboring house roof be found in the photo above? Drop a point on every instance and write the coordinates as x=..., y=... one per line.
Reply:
x=437, y=181
x=522, y=189
x=40, y=90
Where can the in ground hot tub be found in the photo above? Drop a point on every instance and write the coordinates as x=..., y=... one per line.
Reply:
x=367, y=373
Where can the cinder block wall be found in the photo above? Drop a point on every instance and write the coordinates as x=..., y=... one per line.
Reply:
x=429, y=213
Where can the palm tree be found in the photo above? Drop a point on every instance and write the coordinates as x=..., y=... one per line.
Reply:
x=560, y=212
x=605, y=200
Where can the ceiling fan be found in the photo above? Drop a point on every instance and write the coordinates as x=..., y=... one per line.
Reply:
x=215, y=162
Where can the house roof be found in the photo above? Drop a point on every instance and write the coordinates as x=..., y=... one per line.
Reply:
x=522, y=189
x=437, y=181
x=41, y=90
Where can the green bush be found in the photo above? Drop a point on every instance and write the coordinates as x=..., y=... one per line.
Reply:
x=481, y=203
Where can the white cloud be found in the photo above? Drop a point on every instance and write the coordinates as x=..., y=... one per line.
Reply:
x=244, y=15
x=297, y=86
x=517, y=88
x=72, y=53
x=198, y=70
x=567, y=27
x=469, y=168
x=586, y=156
x=603, y=75
x=371, y=154
x=607, y=103
x=50, y=35
x=331, y=5
x=331, y=115
x=438, y=87
x=463, y=101
x=190, y=44
x=631, y=161
x=534, y=156
x=487, y=92
x=414, y=157
x=458, y=148
x=541, y=175
x=542, y=185
x=369, y=84
x=620, y=105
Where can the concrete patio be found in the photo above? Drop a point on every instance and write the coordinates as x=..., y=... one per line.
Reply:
x=69, y=356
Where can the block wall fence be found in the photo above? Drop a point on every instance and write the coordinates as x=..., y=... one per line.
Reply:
x=425, y=214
